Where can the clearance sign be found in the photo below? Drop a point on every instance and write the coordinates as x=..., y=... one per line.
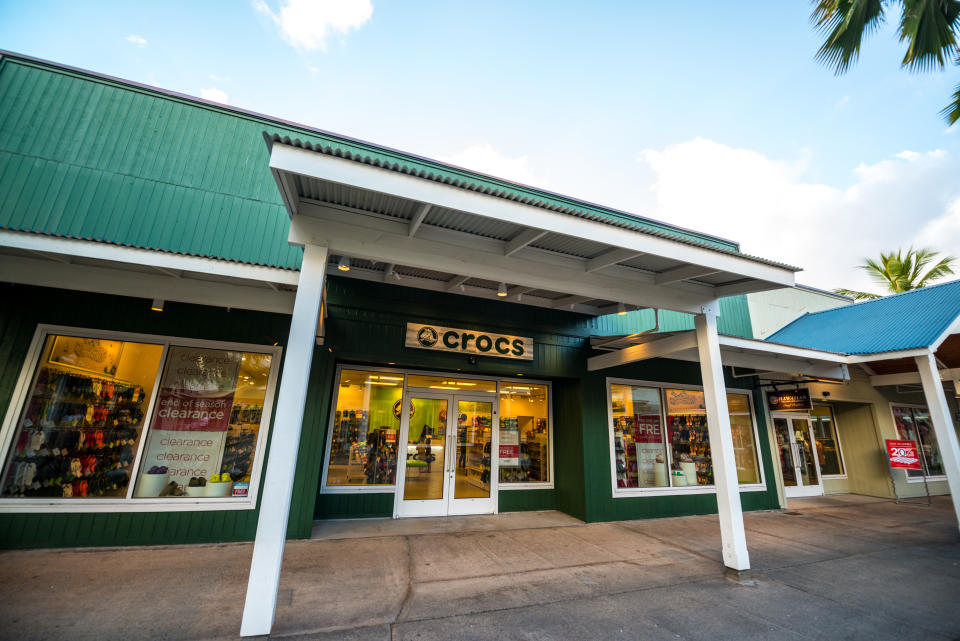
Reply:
x=465, y=341
x=903, y=455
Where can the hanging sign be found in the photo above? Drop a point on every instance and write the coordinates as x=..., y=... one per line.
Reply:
x=789, y=400
x=903, y=455
x=465, y=341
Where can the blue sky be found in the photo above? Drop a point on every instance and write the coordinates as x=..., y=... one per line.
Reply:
x=709, y=115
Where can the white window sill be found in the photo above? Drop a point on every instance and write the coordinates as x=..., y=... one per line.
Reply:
x=15, y=506
x=930, y=479
x=525, y=486
x=621, y=493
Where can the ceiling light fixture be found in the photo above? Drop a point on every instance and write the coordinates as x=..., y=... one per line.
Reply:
x=157, y=305
x=344, y=264
x=502, y=291
x=621, y=309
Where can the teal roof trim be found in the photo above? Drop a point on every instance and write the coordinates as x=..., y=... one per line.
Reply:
x=119, y=143
x=911, y=320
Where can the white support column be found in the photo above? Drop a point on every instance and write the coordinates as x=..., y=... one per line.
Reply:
x=732, y=534
x=260, y=606
x=942, y=424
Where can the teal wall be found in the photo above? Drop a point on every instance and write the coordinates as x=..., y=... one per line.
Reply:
x=367, y=324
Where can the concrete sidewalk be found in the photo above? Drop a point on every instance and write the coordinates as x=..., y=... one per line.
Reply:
x=833, y=569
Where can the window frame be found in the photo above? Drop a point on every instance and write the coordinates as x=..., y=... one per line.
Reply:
x=619, y=493
x=129, y=503
x=392, y=488
x=922, y=477
x=836, y=435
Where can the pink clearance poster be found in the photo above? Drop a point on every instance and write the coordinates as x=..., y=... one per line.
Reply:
x=192, y=414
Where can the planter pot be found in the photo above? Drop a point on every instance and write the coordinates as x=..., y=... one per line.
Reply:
x=690, y=471
x=679, y=478
x=195, y=492
x=219, y=490
x=150, y=485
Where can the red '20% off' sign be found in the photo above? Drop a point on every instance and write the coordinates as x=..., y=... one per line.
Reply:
x=903, y=455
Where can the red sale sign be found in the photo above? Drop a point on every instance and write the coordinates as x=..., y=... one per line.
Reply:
x=903, y=455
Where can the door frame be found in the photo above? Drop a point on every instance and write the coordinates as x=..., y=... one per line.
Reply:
x=488, y=505
x=799, y=490
x=424, y=507
x=447, y=505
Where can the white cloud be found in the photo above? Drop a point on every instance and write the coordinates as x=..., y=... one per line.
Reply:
x=307, y=24
x=484, y=158
x=219, y=79
x=214, y=94
x=140, y=41
x=910, y=198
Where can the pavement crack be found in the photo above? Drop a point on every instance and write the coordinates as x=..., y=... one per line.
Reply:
x=408, y=595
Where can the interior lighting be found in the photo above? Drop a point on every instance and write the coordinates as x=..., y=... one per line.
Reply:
x=157, y=305
x=344, y=264
x=502, y=291
x=621, y=309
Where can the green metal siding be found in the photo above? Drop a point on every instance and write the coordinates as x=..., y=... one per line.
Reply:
x=87, y=157
x=26, y=307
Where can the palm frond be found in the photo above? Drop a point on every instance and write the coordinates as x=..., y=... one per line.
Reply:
x=929, y=29
x=845, y=22
x=942, y=269
x=951, y=113
x=856, y=295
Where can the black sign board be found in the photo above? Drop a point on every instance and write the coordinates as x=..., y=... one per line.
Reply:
x=789, y=400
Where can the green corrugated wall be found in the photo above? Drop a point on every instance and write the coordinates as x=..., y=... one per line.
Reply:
x=87, y=157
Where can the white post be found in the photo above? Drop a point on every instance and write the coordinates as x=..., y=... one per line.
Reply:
x=942, y=424
x=735, y=555
x=258, y=611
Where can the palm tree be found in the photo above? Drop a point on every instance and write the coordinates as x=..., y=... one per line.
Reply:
x=929, y=27
x=901, y=273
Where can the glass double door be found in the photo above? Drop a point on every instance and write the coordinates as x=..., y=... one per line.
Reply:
x=797, y=449
x=448, y=443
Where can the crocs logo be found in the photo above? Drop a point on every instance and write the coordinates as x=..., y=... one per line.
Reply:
x=450, y=339
x=427, y=336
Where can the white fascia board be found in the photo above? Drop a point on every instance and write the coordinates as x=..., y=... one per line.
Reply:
x=954, y=328
x=781, y=350
x=161, y=260
x=853, y=359
x=104, y=280
x=348, y=172
x=911, y=378
x=468, y=290
x=377, y=239
x=654, y=349
x=768, y=363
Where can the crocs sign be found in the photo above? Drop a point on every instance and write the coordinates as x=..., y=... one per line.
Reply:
x=465, y=341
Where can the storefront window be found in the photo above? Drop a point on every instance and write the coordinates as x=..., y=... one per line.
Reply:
x=78, y=434
x=639, y=451
x=913, y=424
x=828, y=447
x=744, y=447
x=524, y=433
x=363, y=447
x=204, y=431
x=647, y=456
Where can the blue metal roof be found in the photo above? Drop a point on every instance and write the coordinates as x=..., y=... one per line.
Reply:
x=910, y=320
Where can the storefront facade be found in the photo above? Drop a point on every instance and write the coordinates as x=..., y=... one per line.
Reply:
x=226, y=340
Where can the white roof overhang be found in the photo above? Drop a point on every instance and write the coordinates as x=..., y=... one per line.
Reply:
x=409, y=230
x=757, y=355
